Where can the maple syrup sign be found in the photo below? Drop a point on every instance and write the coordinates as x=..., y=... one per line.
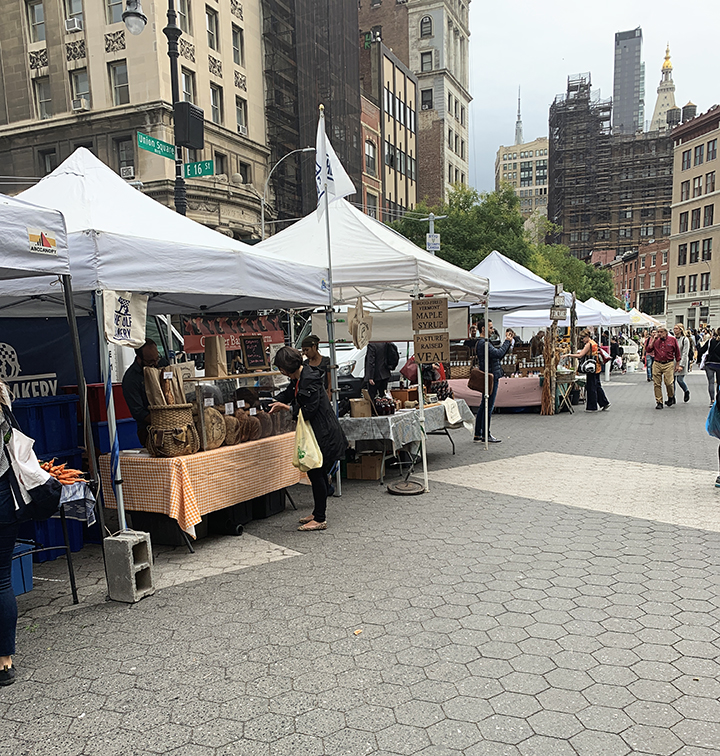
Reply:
x=430, y=314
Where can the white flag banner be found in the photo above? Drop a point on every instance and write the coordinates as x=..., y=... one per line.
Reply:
x=329, y=171
x=125, y=316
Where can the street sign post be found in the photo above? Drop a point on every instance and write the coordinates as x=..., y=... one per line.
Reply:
x=432, y=242
x=558, y=313
x=201, y=168
x=157, y=146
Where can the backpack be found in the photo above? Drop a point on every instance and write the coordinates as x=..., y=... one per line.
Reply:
x=392, y=355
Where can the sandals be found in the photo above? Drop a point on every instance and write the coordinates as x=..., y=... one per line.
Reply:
x=312, y=525
x=309, y=518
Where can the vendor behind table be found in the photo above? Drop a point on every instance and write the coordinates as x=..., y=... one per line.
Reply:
x=133, y=386
x=313, y=358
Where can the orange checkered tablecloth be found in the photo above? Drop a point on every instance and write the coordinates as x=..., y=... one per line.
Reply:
x=185, y=488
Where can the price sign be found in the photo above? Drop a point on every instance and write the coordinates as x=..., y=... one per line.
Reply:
x=253, y=410
x=432, y=347
x=430, y=314
x=229, y=408
x=209, y=401
x=167, y=375
x=558, y=313
x=241, y=403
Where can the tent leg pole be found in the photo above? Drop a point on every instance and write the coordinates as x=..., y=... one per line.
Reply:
x=486, y=403
x=423, y=446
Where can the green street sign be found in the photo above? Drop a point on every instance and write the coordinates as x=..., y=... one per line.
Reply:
x=202, y=168
x=151, y=144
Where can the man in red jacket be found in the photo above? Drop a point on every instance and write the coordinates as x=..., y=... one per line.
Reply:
x=665, y=352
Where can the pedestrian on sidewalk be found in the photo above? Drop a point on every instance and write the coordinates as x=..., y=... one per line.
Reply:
x=594, y=393
x=495, y=355
x=710, y=353
x=648, y=357
x=665, y=352
x=686, y=354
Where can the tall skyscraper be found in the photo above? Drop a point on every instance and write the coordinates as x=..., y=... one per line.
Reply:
x=665, y=96
x=518, y=124
x=628, y=83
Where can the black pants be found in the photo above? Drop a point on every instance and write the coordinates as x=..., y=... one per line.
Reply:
x=8, y=534
x=380, y=387
x=594, y=393
x=319, y=481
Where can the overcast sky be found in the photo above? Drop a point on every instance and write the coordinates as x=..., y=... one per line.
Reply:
x=538, y=45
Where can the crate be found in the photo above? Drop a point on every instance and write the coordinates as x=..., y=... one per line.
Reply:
x=50, y=420
x=127, y=435
x=22, y=574
x=230, y=521
x=268, y=505
x=96, y=401
x=49, y=533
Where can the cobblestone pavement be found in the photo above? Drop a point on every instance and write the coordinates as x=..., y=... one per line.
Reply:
x=490, y=617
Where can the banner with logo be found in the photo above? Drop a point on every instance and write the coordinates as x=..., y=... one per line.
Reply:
x=197, y=327
x=125, y=316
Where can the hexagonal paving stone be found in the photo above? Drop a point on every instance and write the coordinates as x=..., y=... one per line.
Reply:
x=420, y=713
x=296, y=744
x=268, y=727
x=590, y=743
x=555, y=724
x=655, y=740
x=402, y=739
x=604, y=719
x=540, y=745
x=514, y=704
x=452, y=733
x=504, y=729
x=350, y=743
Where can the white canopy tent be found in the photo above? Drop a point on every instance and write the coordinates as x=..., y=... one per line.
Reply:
x=513, y=286
x=371, y=260
x=640, y=319
x=122, y=240
x=616, y=317
x=586, y=316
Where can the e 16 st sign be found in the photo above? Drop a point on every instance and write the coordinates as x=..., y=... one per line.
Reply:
x=430, y=314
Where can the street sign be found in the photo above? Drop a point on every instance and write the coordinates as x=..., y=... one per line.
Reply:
x=202, y=168
x=559, y=300
x=558, y=313
x=432, y=347
x=157, y=146
x=432, y=242
x=430, y=314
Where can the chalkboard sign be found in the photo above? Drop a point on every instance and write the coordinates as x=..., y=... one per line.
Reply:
x=253, y=350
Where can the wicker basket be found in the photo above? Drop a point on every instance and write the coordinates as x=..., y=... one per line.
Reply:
x=172, y=431
x=460, y=371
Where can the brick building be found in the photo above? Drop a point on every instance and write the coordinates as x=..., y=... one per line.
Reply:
x=372, y=141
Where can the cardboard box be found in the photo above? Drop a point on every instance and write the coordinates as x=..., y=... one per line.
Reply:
x=405, y=395
x=371, y=466
x=360, y=408
x=354, y=470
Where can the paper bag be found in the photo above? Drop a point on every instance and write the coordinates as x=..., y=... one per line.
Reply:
x=215, y=357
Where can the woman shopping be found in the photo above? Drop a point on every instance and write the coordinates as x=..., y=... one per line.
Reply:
x=710, y=351
x=594, y=390
x=306, y=392
x=686, y=354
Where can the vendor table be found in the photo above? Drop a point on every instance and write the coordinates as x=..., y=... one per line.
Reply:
x=186, y=488
x=403, y=428
x=512, y=392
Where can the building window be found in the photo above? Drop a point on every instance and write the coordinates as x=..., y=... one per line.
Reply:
x=73, y=9
x=188, y=85
x=708, y=214
x=664, y=257
x=426, y=26
x=244, y=171
x=681, y=285
x=450, y=138
x=712, y=149
x=125, y=155
x=450, y=173
x=699, y=152
x=211, y=21
x=220, y=164
x=216, y=104
x=462, y=149
x=653, y=260
x=663, y=280
x=707, y=249
x=694, y=251
x=695, y=219
x=183, y=12
x=457, y=144
x=684, y=191
x=426, y=99
x=692, y=283
x=641, y=283
x=652, y=280
x=114, y=10
x=241, y=115
x=683, y=222
x=48, y=161
x=371, y=205
x=426, y=61
x=43, y=101
x=119, y=82
x=238, y=43
x=389, y=154
x=682, y=254
x=462, y=115
x=36, y=20
x=697, y=186
x=686, y=159
x=80, y=85
x=370, y=158
x=642, y=262
x=709, y=182
x=705, y=282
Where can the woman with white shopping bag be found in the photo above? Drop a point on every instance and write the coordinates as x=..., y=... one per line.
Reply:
x=320, y=441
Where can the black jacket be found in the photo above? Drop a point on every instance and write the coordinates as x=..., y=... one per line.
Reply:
x=316, y=408
x=495, y=355
x=376, y=366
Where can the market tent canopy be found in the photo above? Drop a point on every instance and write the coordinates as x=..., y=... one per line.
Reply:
x=638, y=318
x=34, y=240
x=617, y=317
x=369, y=259
x=512, y=285
x=541, y=318
x=120, y=239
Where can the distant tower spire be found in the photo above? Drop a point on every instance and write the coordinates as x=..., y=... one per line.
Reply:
x=665, y=95
x=518, y=124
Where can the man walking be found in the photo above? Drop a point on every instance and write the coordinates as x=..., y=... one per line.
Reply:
x=665, y=353
x=495, y=355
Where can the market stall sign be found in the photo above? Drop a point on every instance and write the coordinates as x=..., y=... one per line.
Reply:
x=157, y=146
x=201, y=168
x=254, y=355
x=432, y=347
x=430, y=314
x=558, y=313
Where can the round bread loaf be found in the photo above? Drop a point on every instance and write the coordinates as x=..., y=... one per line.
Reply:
x=232, y=430
x=255, y=427
x=266, y=424
x=214, y=428
x=244, y=426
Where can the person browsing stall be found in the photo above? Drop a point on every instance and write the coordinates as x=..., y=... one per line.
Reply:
x=495, y=355
x=377, y=368
x=312, y=356
x=307, y=392
x=593, y=388
x=665, y=352
x=133, y=386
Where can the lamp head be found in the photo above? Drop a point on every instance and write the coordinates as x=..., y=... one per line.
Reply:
x=133, y=16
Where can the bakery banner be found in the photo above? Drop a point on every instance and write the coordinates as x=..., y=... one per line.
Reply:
x=196, y=330
x=125, y=316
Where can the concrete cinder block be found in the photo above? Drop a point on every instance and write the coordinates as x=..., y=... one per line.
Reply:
x=129, y=562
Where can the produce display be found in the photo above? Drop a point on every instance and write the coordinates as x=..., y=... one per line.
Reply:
x=65, y=475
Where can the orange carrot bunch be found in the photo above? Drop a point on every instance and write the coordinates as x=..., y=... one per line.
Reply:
x=66, y=475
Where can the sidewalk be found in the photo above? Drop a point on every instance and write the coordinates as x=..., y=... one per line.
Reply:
x=556, y=594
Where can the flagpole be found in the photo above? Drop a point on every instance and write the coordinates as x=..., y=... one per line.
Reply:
x=330, y=317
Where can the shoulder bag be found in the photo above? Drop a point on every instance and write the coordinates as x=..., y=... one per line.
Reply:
x=476, y=381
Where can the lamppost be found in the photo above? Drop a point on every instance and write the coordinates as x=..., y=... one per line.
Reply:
x=135, y=21
x=267, y=181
